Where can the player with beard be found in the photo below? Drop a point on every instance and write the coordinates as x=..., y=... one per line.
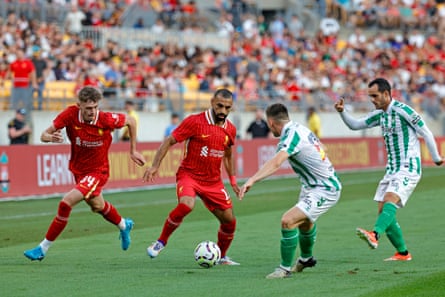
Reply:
x=400, y=125
x=209, y=137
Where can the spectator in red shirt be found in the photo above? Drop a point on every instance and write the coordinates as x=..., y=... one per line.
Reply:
x=90, y=133
x=209, y=136
x=23, y=75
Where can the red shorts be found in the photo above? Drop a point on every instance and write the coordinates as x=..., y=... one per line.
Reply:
x=90, y=185
x=214, y=196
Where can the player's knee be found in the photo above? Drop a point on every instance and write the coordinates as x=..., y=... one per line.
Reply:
x=287, y=223
x=96, y=209
x=229, y=227
x=189, y=201
x=64, y=209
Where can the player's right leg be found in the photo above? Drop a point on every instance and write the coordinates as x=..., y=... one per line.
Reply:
x=173, y=221
x=186, y=193
x=57, y=225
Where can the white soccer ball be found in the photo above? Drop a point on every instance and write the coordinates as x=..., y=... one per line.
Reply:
x=207, y=254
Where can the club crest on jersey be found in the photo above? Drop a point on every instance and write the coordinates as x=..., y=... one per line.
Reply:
x=100, y=131
x=226, y=140
x=388, y=130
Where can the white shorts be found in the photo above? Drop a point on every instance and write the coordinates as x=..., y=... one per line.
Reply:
x=316, y=201
x=401, y=183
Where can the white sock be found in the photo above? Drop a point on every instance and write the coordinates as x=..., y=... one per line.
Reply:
x=122, y=224
x=45, y=245
x=285, y=268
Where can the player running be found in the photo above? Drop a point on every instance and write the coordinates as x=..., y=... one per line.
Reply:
x=400, y=125
x=320, y=188
x=209, y=137
x=89, y=131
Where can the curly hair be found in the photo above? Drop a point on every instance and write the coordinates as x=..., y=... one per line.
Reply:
x=89, y=94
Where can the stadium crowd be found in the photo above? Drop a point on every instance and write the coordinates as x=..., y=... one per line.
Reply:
x=268, y=59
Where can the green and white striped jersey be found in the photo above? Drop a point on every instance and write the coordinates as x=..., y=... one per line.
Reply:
x=400, y=125
x=307, y=157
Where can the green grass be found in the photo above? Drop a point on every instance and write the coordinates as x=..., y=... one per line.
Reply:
x=86, y=260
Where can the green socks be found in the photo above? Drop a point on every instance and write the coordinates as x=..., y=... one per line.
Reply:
x=307, y=240
x=386, y=218
x=395, y=235
x=289, y=241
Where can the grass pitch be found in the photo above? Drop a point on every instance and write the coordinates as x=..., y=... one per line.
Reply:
x=87, y=260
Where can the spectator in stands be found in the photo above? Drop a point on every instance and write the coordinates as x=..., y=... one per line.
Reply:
x=258, y=128
x=174, y=122
x=158, y=27
x=73, y=20
x=130, y=109
x=295, y=26
x=23, y=75
x=313, y=121
x=139, y=24
x=40, y=67
x=18, y=130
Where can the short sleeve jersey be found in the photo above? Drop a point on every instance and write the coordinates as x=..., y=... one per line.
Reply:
x=89, y=141
x=21, y=70
x=400, y=125
x=205, y=144
x=307, y=157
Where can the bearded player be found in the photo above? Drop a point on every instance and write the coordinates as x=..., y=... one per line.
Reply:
x=209, y=137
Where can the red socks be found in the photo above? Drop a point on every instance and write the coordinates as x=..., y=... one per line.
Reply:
x=173, y=221
x=110, y=213
x=226, y=233
x=59, y=222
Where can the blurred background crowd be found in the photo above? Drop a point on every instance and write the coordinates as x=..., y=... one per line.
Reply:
x=307, y=54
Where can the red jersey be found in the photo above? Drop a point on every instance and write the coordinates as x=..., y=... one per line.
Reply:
x=21, y=70
x=205, y=145
x=89, y=141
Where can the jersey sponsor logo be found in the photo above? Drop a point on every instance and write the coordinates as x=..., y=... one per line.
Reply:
x=205, y=135
x=204, y=151
x=86, y=143
x=77, y=128
x=388, y=130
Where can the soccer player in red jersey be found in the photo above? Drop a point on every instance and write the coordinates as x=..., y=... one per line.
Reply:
x=89, y=131
x=209, y=137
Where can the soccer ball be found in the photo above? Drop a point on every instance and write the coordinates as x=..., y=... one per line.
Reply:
x=207, y=254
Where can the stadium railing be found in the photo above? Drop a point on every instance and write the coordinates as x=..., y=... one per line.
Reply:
x=59, y=94
x=133, y=38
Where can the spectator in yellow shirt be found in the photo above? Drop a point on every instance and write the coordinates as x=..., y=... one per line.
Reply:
x=313, y=121
x=130, y=109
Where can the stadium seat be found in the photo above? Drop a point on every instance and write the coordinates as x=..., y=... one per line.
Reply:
x=59, y=94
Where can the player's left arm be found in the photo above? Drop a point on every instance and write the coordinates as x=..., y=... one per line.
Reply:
x=130, y=122
x=51, y=134
x=266, y=170
x=230, y=168
x=422, y=129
